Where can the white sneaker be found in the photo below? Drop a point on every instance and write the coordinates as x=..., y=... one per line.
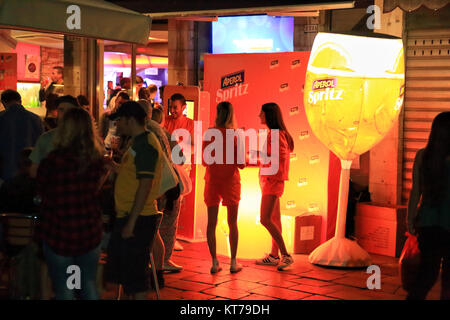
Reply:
x=286, y=261
x=177, y=246
x=268, y=260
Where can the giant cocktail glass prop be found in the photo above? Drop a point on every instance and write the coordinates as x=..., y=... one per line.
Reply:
x=353, y=96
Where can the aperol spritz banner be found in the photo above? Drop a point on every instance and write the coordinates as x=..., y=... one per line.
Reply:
x=354, y=90
x=248, y=81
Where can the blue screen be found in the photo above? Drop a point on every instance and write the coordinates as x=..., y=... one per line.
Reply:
x=251, y=34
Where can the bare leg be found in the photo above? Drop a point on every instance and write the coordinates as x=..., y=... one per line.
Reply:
x=267, y=208
x=168, y=228
x=158, y=252
x=276, y=219
x=234, y=233
x=211, y=230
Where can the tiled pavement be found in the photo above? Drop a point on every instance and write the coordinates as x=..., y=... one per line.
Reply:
x=302, y=281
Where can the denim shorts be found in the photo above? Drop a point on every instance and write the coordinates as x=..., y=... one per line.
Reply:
x=128, y=259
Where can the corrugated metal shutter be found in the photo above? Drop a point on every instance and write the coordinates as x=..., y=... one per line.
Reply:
x=427, y=92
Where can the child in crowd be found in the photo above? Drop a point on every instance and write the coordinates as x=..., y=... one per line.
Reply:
x=272, y=186
x=223, y=183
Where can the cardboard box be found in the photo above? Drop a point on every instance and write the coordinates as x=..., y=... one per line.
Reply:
x=380, y=229
x=308, y=230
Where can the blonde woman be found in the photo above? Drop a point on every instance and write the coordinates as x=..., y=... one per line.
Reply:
x=222, y=183
x=71, y=227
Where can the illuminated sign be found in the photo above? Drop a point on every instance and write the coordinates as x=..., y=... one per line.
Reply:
x=257, y=33
x=353, y=85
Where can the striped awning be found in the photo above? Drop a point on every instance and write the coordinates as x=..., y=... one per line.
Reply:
x=412, y=5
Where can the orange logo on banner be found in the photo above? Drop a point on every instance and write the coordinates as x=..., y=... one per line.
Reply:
x=232, y=79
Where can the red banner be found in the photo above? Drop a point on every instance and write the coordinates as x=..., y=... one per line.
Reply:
x=8, y=71
x=250, y=80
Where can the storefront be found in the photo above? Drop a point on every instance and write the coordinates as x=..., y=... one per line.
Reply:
x=152, y=69
x=32, y=44
x=34, y=55
x=386, y=173
x=386, y=169
x=186, y=61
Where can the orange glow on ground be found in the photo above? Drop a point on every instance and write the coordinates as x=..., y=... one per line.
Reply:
x=254, y=239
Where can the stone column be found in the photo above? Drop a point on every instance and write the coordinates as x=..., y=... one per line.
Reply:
x=304, y=32
x=75, y=65
x=95, y=74
x=182, y=67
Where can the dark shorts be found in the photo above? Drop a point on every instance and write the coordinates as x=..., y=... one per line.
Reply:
x=128, y=259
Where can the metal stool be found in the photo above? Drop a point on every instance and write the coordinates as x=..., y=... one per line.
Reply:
x=17, y=233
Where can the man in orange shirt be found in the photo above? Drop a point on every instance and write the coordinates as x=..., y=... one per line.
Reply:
x=176, y=120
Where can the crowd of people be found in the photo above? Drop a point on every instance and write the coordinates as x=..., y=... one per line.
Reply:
x=72, y=174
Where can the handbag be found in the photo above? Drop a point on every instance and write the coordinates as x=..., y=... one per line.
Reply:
x=169, y=178
x=409, y=262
